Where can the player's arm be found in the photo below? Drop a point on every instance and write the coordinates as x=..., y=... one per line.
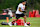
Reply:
x=20, y=9
x=25, y=9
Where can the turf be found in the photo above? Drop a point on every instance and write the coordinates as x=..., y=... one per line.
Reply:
x=35, y=22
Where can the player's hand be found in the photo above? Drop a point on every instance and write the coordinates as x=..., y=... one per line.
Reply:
x=24, y=11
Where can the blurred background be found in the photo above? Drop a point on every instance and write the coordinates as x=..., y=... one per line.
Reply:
x=31, y=5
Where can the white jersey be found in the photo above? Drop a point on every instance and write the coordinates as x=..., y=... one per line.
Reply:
x=22, y=8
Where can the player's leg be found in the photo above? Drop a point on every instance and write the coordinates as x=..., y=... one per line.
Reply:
x=15, y=22
x=17, y=17
x=24, y=16
x=25, y=24
x=24, y=19
x=10, y=23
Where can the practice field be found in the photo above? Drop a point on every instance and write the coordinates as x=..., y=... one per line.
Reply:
x=35, y=22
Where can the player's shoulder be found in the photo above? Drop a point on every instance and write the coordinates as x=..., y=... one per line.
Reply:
x=20, y=4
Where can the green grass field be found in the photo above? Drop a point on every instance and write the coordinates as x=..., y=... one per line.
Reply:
x=35, y=22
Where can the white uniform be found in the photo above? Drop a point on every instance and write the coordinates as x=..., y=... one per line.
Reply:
x=22, y=8
x=18, y=12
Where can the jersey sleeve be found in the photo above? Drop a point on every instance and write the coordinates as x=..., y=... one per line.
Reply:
x=20, y=5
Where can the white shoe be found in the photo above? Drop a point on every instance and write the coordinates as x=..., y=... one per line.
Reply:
x=10, y=24
x=25, y=25
x=15, y=24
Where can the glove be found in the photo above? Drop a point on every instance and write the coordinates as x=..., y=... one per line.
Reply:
x=24, y=11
